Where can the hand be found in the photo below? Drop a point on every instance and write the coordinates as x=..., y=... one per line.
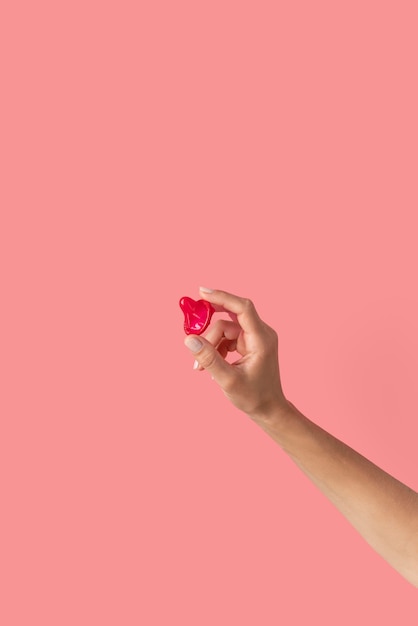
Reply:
x=252, y=383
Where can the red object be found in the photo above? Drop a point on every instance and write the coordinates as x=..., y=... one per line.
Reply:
x=197, y=315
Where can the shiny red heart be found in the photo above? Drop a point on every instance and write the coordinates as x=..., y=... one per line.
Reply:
x=197, y=315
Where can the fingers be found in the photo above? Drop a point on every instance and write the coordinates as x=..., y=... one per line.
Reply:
x=223, y=336
x=210, y=359
x=220, y=329
x=243, y=308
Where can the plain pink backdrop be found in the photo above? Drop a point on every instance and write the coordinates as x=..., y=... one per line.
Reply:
x=264, y=148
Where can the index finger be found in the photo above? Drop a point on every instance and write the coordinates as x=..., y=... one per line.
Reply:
x=243, y=308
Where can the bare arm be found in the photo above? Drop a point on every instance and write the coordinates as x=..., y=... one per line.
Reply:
x=382, y=509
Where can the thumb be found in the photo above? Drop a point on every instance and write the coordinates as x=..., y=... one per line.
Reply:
x=209, y=358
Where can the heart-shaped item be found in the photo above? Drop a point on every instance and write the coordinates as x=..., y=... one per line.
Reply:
x=197, y=315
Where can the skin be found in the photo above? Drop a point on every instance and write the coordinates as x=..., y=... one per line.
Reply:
x=382, y=509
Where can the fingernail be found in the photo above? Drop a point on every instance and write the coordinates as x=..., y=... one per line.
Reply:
x=195, y=365
x=206, y=289
x=194, y=344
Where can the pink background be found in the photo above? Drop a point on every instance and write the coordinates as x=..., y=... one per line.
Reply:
x=264, y=148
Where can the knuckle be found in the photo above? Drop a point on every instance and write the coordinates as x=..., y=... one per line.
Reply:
x=274, y=341
x=208, y=359
x=248, y=304
x=269, y=341
x=271, y=333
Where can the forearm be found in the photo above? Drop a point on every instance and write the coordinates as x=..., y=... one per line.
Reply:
x=382, y=509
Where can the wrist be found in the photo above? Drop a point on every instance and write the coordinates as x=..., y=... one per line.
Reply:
x=276, y=415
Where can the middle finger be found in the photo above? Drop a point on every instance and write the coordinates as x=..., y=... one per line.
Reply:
x=222, y=329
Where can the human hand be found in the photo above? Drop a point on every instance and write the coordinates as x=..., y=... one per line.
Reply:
x=252, y=383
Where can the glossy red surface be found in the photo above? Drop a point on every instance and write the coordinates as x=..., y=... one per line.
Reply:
x=197, y=315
